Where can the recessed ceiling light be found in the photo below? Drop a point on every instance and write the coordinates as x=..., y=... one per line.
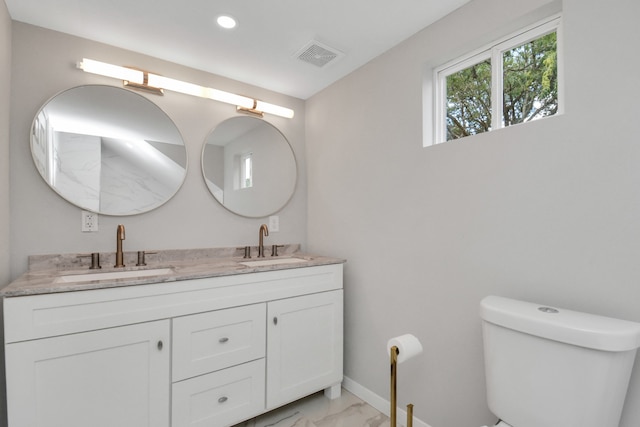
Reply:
x=226, y=21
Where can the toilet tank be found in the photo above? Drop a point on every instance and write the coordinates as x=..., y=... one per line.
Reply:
x=548, y=367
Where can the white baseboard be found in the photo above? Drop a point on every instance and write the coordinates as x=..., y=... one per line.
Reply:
x=381, y=404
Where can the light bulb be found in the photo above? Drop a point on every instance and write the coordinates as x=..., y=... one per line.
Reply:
x=226, y=21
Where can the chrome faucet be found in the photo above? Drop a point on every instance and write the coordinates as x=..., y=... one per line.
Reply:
x=264, y=231
x=119, y=239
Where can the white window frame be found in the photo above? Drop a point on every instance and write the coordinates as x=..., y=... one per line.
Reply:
x=494, y=51
x=246, y=172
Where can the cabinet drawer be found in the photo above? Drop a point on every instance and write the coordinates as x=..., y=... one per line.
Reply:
x=221, y=398
x=208, y=342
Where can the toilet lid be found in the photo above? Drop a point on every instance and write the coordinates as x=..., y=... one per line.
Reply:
x=501, y=424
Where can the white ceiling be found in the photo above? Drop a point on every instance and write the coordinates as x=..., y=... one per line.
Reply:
x=261, y=50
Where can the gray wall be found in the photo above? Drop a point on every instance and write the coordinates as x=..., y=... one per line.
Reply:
x=547, y=212
x=5, y=90
x=42, y=222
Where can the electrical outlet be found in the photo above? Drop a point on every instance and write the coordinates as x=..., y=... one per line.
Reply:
x=274, y=223
x=89, y=221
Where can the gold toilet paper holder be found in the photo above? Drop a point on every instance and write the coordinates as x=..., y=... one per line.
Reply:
x=394, y=397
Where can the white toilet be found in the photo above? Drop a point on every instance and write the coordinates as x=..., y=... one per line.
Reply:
x=548, y=367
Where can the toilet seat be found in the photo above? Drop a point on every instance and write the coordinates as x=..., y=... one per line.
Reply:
x=501, y=424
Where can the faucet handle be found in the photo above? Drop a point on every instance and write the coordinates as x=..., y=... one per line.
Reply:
x=141, y=258
x=274, y=249
x=95, y=260
x=247, y=251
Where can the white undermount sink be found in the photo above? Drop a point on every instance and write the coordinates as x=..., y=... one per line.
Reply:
x=272, y=261
x=129, y=274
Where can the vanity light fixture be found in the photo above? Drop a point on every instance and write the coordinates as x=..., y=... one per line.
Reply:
x=109, y=70
x=200, y=91
x=274, y=109
x=144, y=85
x=258, y=108
x=131, y=77
x=252, y=110
x=154, y=83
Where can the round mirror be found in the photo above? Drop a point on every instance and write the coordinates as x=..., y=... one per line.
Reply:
x=249, y=167
x=108, y=150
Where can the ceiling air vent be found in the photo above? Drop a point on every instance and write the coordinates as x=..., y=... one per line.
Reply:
x=318, y=54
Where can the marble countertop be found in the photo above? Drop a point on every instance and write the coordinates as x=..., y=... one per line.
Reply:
x=45, y=271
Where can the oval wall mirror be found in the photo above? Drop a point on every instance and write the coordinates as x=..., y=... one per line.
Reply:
x=249, y=167
x=108, y=150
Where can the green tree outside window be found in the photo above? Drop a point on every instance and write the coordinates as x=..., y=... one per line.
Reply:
x=530, y=80
x=530, y=89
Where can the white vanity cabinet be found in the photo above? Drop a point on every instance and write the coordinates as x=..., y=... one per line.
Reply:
x=208, y=352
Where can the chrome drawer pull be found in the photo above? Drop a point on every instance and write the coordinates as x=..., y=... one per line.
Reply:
x=223, y=399
x=223, y=340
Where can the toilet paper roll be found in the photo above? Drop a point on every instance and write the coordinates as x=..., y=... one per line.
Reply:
x=408, y=346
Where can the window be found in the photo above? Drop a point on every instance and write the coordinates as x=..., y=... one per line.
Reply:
x=512, y=81
x=468, y=100
x=246, y=170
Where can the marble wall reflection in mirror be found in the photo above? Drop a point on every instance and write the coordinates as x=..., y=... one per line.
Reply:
x=249, y=166
x=108, y=150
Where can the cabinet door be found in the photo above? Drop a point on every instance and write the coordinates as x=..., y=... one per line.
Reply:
x=105, y=378
x=304, y=346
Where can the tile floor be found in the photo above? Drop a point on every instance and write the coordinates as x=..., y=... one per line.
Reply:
x=318, y=411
